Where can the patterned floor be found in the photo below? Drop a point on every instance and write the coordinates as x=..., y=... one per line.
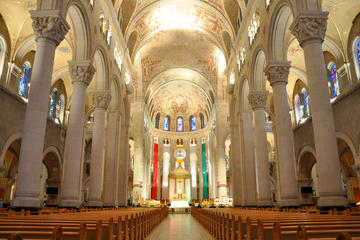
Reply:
x=180, y=227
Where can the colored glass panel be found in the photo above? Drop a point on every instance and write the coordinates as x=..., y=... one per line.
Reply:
x=193, y=124
x=59, y=109
x=156, y=120
x=179, y=124
x=227, y=165
x=166, y=123
x=299, y=108
x=24, y=79
x=53, y=100
x=203, y=122
x=335, y=90
x=306, y=103
x=358, y=53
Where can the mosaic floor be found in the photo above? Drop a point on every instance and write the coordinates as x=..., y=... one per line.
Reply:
x=180, y=227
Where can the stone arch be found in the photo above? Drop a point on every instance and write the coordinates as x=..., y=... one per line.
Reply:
x=302, y=160
x=101, y=76
x=115, y=92
x=259, y=63
x=278, y=28
x=132, y=41
x=344, y=137
x=53, y=163
x=227, y=42
x=13, y=137
x=9, y=165
x=244, y=102
x=81, y=28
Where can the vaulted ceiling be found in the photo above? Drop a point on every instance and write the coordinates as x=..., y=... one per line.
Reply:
x=180, y=47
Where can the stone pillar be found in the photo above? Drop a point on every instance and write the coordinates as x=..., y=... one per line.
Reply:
x=50, y=28
x=112, y=158
x=248, y=160
x=81, y=74
x=235, y=163
x=277, y=74
x=309, y=29
x=139, y=176
x=101, y=100
x=193, y=169
x=124, y=161
x=257, y=100
x=166, y=170
x=221, y=170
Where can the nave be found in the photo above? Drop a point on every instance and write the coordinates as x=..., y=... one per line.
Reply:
x=179, y=227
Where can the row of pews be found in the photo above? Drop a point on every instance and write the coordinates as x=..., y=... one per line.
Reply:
x=270, y=224
x=86, y=224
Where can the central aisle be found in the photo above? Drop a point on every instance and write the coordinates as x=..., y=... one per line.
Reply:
x=179, y=227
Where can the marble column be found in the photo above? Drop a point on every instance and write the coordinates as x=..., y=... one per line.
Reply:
x=221, y=170
x=257, y=100
x=235, y=163
x=81, y=74
x=309, y=29
x=277, y=74
x=193, y=169
x=124, y=162
x=166, y=170
x=112, y=157
x=139, y=183
x=50, y=28
x=101, y=100
x=249, y=197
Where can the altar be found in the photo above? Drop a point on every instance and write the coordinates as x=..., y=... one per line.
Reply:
x=179, y=185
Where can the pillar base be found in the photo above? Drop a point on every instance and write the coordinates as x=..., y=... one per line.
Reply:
x=264, y=203
x=69, y=203
x=94, y=203
x=332, y=201
x=289, y=202
x=26, y=202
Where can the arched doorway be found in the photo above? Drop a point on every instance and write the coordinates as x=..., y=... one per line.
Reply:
x=50, y=179
x=9, y=172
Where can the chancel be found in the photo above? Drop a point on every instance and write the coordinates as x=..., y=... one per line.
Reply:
x=191, y=119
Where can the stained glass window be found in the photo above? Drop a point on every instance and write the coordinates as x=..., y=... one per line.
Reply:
x=179, y=124
x=60, y=109
x=157, y=119
x=358, y=53
x=305, y=99
x=193, y=123
x=166, y=123
x=53, y=103
x=227, y=165
x=299, y=108
x=335, y=90
x=24, y=80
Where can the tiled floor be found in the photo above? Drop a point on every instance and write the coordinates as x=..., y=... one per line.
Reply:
x=180, y=227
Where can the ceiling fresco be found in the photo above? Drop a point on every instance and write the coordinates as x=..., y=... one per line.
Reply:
x=191, y=100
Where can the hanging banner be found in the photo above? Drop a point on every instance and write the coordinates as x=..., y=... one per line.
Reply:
x=155, y=172
x=204, y=169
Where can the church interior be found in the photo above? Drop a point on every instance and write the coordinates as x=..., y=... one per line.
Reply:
x=134, y=109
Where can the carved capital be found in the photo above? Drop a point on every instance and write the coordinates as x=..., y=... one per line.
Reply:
x=257, y=99
x=49, y=24
x=101, y=99
x=277, y=72
x=309, y=26
x=81, y=71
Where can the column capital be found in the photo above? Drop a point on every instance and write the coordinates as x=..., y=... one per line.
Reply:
x=49, y=24
x=257, y=99
x=309, y=26
x=81, y=71
x=101, y=99
x=277, y=72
